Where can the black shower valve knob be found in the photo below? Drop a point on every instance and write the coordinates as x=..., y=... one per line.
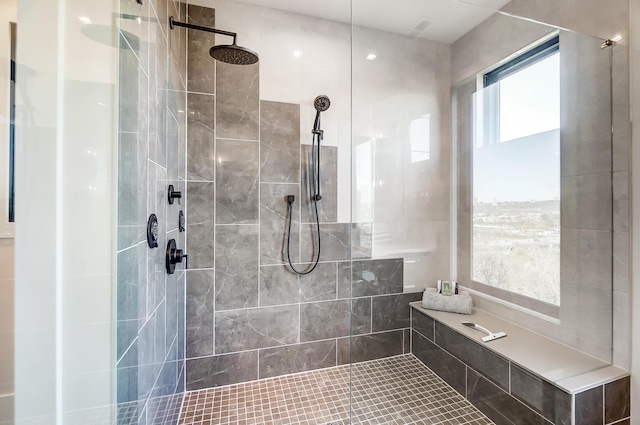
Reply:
x=175, y=256
x=173, y=194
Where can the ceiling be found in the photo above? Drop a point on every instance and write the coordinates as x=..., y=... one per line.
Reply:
x=438, y=20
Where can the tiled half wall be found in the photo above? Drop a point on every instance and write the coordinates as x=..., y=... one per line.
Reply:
x=247, y=316
x=507, y=393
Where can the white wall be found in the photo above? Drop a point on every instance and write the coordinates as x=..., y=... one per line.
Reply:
x=65, y=202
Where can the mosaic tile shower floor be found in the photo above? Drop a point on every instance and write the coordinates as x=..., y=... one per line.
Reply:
x=396, y=390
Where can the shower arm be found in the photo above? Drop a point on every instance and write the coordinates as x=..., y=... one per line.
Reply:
x=173, y=23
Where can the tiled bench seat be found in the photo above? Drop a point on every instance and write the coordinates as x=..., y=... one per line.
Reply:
x=524, y=378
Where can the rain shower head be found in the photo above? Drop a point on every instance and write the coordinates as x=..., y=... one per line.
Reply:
x=322, y=103
x=233, y=54
x=228, y=53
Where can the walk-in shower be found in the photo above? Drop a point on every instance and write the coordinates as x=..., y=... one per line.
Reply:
x=412, y=175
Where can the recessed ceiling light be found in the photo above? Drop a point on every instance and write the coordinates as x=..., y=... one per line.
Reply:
x=371, y=56
x=84, y=20
x=297, y=53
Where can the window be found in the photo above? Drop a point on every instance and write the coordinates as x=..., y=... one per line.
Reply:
x=515, y=243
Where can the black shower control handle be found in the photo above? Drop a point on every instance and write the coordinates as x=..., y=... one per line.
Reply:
x=173, y=194
x=175, y=256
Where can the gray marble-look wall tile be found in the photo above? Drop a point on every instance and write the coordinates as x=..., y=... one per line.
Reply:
x=200, y=126
x=274, y=223
x=442, y=363
x=617, y=400
x=200, y=65
x=585, y=106
x=497, y=404
x=278, y=286
x=133, y=91
x=237, y=104
x=216, y=371
x=324, y=320
x=586, y=257
x=297, y=358
x=199, y=313
x=392, y=311
x=279, y=142
x=621, y=248
x=361, y=316
x=236, y=267
x=157, y=203
x=328, y=205
x=319, y=285
x=586, y=202
x=132, y=188
x=248, y=329
x=132, y=284
x=406, y=341
x=237, y=182
x=473, y=354
x=563, y=408
x=588, y=407
x=621, y=104
x=200, y=224
x=537, y=393
x=422, y=324
x=334, y=241
x=362, y=348
x=621, y=202
x=370, y=277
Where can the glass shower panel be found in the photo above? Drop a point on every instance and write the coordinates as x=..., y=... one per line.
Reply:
x=425, y=149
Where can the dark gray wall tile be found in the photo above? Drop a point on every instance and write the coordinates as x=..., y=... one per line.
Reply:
x=297, y=358
x=473, y=354
x=406, y=341
x=392, y=311
x=319, y=285
x=328, y=205
x=363, y=348
x=274, y=216
x=442, y=363
x=537, y=393
x=236, y=267
x=199, y=310
x=132, y=182
x=209, y=372
x=200, y=65
x=324, y=320
x=241, y=330
x=334, y=238
x=132, y=87
x=588, y=407
x=422, y=323
x=563, y=408
x=617, y=400
x=361, y=316
x=371, y=277
x=279, y=142
x=200, y=126
x=200, y=224
x=131, y=286
x=237, y=106
x=499, y=406
x=278, y=285
x=237, y=199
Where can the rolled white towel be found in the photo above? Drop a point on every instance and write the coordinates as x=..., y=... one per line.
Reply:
x=461, y=303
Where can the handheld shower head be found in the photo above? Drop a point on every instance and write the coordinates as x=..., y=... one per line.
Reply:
x=321, y=103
